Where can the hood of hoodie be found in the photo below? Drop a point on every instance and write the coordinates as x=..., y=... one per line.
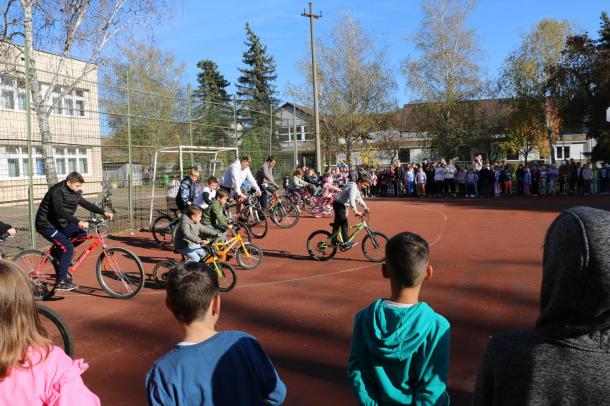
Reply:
x=575, y=292
x=397, y=333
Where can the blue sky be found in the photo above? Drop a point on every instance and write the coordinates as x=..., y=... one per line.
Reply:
x=203, y=29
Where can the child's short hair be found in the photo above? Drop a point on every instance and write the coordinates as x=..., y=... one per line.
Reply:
x=222, y=194
x=75, y=177
x=406, y=256
x=192, y=210
x=212, y=179
x=298, y=172
x=191, y=287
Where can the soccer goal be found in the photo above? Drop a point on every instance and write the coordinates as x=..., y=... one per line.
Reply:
x=209, y=161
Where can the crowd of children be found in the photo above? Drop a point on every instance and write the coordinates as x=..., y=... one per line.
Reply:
x=484, y=179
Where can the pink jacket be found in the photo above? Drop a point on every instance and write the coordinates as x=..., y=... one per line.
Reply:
x=329, y=190
x=55, y=381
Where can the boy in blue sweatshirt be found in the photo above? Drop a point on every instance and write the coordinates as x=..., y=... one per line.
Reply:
x=209, y=367
x=400, y=346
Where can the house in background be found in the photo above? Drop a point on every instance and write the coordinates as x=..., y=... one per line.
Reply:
x=74, y=125
x=294, y=129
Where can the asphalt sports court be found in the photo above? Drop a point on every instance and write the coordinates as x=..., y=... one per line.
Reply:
x=486, y=255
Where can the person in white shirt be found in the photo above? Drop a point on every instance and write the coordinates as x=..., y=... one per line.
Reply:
x=204, y=197
x=349, y=197
x=234, y=177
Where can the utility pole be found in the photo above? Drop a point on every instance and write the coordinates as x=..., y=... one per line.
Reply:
x=316, y=116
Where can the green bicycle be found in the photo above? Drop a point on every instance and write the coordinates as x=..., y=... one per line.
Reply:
x=322, y=245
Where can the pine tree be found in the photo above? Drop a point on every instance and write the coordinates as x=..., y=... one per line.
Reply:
x=604, y=32
x=255, y=94
x=212, y=107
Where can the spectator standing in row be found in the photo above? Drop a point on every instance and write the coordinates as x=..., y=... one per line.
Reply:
x=553, y=178
x=439, y=179
x=587, y=177
x=399, y=182
x=604, y=179
x=410, y=180
x=420, y=180
x=450, y=171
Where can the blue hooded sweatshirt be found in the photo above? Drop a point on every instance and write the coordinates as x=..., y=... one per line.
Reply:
x=399, y=356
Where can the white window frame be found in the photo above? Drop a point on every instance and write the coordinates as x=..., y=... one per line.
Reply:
x=68, y=105
x=77, y=153
x=12, y=88
x=21, y=155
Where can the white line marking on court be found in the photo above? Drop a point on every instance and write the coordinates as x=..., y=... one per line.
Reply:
x=445, y=218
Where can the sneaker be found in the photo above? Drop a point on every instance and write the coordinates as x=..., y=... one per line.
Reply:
x=65, y=286
x=347, y=246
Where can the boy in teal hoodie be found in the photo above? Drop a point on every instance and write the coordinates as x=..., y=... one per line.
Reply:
x=400, y=346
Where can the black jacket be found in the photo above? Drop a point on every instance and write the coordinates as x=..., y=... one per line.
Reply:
x=58, y=206
x=4, y=228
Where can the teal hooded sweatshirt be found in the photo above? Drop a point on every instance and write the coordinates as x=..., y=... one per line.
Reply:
x=399, y=356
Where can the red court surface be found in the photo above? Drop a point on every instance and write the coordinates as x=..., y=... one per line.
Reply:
x=487, y=258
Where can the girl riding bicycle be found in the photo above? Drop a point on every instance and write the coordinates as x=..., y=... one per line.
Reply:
x=32, y=371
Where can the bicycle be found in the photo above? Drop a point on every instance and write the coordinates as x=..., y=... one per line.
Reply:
x=307, y=198
x=227, y=279
x=253, y=254
x=57, y=329
x=251, y=215
x=115, y=266
x=283, y=213
x=322, y=245
x=164, y=226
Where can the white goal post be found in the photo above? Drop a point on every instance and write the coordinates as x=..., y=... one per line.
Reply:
x=181, y=150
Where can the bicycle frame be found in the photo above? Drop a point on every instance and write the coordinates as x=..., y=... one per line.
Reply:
x=225, y=247
x=99, y=241
x=359, y=227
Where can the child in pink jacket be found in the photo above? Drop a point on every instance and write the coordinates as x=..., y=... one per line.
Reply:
x=33, y=372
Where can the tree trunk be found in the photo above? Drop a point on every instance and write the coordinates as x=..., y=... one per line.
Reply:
x=348, y=150
x=551, y=149
x=42, y=111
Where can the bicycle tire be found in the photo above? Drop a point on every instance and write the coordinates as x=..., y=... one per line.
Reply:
x=110, y=273
x=255, y=252
x=163, y=230
x=285, y=211
x=61, y=326
x=256, y=222
x=378, y=242
x=228, y=280
x=161, y=270
x=315, y=248
x=43, y=283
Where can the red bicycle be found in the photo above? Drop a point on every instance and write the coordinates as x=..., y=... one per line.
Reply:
x=119, y=271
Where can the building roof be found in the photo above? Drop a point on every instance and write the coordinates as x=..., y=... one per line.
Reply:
x=305, y=110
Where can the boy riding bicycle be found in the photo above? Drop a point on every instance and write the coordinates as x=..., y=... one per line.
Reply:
x=348, y=197
x=55, y=221
x=192, y=237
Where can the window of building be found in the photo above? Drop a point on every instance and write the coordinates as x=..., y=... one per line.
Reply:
x=14, y=162
x=12, y=94
x=563, y=152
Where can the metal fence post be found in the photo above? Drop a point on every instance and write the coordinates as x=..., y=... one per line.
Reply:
x=129, y=156
x=235, y=120
x=189, y=101
x=28, y=123
x=270, y=129
x=294, y=134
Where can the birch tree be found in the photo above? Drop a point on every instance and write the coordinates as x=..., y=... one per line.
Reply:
x=81, y=29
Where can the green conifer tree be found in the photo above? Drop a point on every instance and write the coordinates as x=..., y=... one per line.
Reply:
x=212, y=106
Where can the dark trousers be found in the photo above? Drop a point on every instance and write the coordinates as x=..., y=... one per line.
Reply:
x=266, y=192
x=340, y=220
x=63, y=248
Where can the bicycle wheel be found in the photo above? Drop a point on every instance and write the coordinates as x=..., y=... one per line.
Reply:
x=42, y=275
x=120, y=273
x=161, y=270
x=227, y=279
x=242, y=230
x=162, y=229
x=57, y=329
x=252, y=260
x=285, y=215
x=320, y=246
x=256, y=222
x=373, y=246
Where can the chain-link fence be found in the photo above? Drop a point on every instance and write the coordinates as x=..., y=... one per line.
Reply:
x=108, y=122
